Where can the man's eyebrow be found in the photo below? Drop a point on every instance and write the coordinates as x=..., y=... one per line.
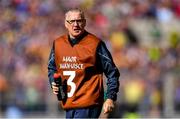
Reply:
x=74, y=19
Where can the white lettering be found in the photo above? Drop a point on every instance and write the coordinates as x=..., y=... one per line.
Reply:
x=71, y=66
x=69, y=59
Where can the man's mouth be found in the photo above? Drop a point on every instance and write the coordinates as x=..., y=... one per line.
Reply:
x=76, y=29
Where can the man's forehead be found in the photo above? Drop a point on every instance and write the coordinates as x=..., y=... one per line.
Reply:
x=73, y=14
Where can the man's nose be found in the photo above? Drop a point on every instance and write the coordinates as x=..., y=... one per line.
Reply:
x=75, y=23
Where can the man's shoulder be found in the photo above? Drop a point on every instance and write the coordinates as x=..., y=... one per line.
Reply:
x=64, y=36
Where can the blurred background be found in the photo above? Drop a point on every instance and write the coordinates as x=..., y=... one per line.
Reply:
x=142, y=35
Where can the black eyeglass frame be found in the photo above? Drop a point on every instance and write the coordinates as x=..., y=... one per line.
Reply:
x=79, y=21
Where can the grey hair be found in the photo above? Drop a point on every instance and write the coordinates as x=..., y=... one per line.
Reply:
x=75, y=10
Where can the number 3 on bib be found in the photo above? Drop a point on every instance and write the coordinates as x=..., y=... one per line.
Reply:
x=70, y=82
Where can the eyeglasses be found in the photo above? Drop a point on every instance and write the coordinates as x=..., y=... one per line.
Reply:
x=79, y=21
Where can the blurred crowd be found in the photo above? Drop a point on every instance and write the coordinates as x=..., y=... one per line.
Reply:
x=142, y=35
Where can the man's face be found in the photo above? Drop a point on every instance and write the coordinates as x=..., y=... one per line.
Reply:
x=75, y=24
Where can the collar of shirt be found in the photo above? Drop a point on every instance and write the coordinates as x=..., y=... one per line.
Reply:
x=74, y=41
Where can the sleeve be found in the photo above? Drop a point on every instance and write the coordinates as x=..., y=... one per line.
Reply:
x=110, y=70
x=51, y=65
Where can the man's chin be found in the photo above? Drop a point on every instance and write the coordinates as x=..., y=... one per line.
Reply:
x=77, y=34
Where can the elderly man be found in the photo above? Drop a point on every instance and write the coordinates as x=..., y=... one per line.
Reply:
x=81, y=59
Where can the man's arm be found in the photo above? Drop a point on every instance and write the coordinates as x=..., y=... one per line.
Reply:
x=51, y=66
x=112, y=74
x=52, y=70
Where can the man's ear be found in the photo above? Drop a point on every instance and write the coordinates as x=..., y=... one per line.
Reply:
x=65, y=23
x=84, y=22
